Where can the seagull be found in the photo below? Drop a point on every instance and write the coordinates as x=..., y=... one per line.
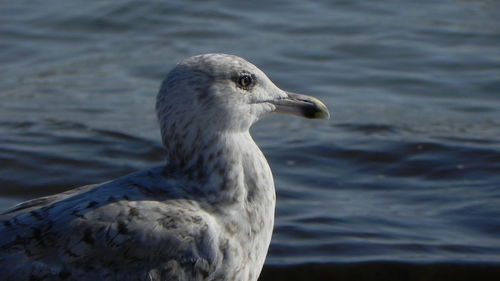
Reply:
x=207, y=214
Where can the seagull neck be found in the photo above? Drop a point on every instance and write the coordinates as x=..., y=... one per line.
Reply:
x=228, y=163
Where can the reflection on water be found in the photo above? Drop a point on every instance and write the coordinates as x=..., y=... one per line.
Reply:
x=407, y=170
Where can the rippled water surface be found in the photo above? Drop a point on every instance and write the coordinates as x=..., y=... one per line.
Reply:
x=407, y=172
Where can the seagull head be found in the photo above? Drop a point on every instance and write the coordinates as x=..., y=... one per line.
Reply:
x=226, y=94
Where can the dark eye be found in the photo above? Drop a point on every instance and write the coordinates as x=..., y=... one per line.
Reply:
x=245, y=80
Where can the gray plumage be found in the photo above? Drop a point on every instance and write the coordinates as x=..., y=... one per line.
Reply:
x=208, y=214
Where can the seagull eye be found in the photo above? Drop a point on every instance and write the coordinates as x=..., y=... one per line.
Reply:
x=245, y=80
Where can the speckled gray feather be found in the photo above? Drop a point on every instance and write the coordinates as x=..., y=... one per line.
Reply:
x=207, y=215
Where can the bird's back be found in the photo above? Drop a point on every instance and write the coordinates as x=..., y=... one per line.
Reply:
x=127, y=229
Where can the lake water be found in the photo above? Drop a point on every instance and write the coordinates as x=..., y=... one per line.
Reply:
x=404, y=179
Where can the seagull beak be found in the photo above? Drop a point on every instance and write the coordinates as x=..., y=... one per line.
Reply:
x=302, y=105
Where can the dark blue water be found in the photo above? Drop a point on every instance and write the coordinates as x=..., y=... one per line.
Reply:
x=402, y=184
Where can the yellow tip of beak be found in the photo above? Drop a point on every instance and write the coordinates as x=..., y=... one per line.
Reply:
x=321, y=109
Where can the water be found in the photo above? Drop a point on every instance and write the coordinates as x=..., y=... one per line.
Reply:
x=404, y=179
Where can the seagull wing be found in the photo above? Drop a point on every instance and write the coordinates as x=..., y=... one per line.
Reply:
x=113, y=231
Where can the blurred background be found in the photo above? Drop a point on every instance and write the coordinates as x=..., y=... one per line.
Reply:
x=403, y=183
